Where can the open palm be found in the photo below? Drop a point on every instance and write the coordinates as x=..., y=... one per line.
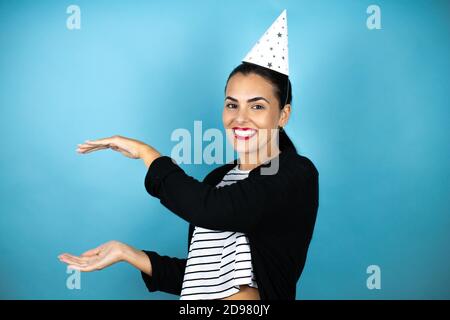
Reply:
x=95, y=259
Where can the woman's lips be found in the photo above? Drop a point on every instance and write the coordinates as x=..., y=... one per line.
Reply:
x=244, y=133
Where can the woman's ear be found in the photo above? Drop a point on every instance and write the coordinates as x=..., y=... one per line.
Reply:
x=284, y=116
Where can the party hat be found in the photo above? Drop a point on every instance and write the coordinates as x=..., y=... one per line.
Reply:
x=271, y=51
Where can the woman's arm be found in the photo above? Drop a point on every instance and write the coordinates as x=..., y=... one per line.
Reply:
x=138, y=259
x=268, y=201
x=160, y=273
x=106, y=255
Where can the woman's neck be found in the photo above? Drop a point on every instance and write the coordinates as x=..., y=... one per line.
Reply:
x=249, y=161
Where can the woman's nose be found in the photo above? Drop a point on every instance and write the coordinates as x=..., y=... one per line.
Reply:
x=242, y=115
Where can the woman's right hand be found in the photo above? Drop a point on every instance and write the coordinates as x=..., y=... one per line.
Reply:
x=130, y=148
x=96, y=259
x=106, y=255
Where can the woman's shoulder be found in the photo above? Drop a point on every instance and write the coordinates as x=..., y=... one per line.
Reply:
x=301, y=162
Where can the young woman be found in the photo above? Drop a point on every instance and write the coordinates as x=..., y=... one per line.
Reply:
x=249, y=231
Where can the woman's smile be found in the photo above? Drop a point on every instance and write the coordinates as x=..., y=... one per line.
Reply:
x=244, y=133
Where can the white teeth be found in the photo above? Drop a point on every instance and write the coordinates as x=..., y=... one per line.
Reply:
x=244, y=133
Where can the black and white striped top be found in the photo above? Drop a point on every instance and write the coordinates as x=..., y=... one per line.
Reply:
x=218, y=261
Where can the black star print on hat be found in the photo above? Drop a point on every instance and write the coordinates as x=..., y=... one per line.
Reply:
x=272, y=45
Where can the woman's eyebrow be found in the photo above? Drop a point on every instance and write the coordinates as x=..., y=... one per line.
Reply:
x=258, y=98
x=249, y=100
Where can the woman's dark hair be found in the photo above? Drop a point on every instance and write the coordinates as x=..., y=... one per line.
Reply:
x=283, y=91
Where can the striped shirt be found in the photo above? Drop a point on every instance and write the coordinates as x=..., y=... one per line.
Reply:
x=218, y=261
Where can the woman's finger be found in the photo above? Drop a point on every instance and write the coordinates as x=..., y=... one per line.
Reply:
x=92, y=147
x=117, y=141
x=87, y=145
x=74, y=263
x=74, y=267
x=81, y=268
x=112, y=147
x=92, y=265
x=73, y=259
x=67, y=255
x=101, y=141
x=89, y=150
x=128, y=147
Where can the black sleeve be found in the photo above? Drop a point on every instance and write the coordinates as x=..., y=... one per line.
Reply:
x=167, y=273
x=241, y=206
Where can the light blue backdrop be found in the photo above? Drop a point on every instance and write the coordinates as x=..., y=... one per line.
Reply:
x=370, y=108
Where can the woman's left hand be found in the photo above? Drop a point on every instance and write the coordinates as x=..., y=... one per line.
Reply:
x=130, y=148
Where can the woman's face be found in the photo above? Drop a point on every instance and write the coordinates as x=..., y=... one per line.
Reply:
x=251, y=114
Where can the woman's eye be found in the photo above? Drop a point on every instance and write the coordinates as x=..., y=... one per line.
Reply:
x=231, y=105
x=258, y=107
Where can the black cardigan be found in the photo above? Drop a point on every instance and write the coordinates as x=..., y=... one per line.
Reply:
x=277, y=212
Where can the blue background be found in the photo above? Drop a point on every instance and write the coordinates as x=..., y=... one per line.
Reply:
x=370, y=109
